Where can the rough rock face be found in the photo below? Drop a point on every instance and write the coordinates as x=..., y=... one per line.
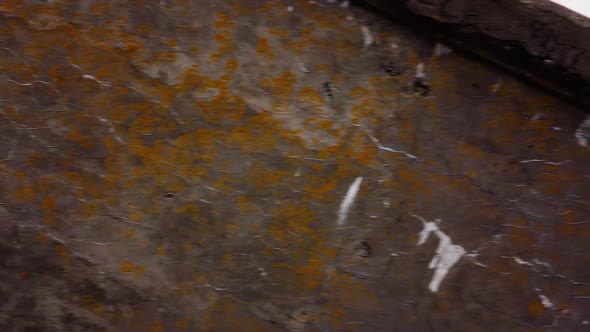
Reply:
x=278, y=166
x=537, y=39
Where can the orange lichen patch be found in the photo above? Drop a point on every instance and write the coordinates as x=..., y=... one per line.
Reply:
x=310, y=97
x=320, y=189
x=85, y=141
x=283, y=85
x=156, y=326
x=279, y=32
x=370, y=111
x=225, y=42
x=61, y=251
x=223, y=21
x=231, y=65
x=519, y=278
x=184, y=323
x=191, y=210
x=129, y=233
x=323, y=68
x=330, y=253
x=49, y=220
x=310, y=275
x=228, y=316
x=222, y=108
x=360, y=92
x=100, y=9
x=262, y=179
x=136, y=215
x=346, y=48
x=536, y=307
x=20, y=175
x=129, y=267
x=366, y=155
x=186, y=289
x=263, y=49
x=92, y=304
x=566, y=229
x=189, y=79
x=349, y=289
x=172, y=42
x=297, y=46
x=521, y=237
x=173, y=184
x=164, y=56
x=42, y=237
x=509, y=91
x=25, y=193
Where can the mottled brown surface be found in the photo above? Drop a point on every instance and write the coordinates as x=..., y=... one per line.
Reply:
x=179, y=166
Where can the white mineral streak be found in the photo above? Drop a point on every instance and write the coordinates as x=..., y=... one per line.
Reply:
x=367, y=36
x=441, y=49
x=583, y=133
x=545, y=300
x=420, y=70
x=447, y=254
x=348, y=200
x=302, y=67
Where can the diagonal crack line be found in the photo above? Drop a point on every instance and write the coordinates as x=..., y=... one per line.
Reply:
x=384, y=148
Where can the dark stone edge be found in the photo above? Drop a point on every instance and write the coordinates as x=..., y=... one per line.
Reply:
x=540, y=41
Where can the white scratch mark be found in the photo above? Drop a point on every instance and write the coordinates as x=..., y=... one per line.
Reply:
x=344, y=4
x=473, y=256
x=441, y=49
x=520, y=261
x=302, y=67
x=397, y=253
x=298, y=172
x=553, y=163
x=367, y=36
x=19, y=83
x=92, y=78
x=585, y=322
x=289, y=8
x=583, y=133
x=497, y=86
x=348, y=200
x=112, y=130
x=545, y=300
x=381, y=147
x=420, y=70
x=447, y=254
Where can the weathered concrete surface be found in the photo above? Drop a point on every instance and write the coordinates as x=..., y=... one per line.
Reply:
x=181, y=166
x=539, y=40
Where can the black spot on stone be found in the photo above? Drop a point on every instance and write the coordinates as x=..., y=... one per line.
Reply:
x=366, y=250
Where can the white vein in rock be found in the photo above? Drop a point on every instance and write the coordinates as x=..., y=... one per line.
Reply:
x=368, y=38
x=348, y=200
